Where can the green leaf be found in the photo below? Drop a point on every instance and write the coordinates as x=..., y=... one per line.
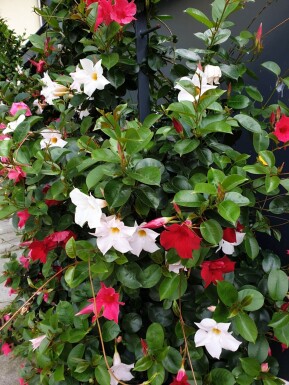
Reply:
x=254, y=93
x=59, y=373
x=279, y=205
x=277, y=284
x=229, y=211
x=110, y=330
x=102, y=375
x=251, y=245
x=148, y=175
x=211, y=231
x=91, y=18
x=5, y=212
x=21, y=132
x=227, y=293
x=188, y=54
x=109, y=60
x=249, y=123
x=250, y=366
x=238, y=102
x=155, y=336
x=70, y=248
x=116, y=193
x=188, y=198
x=272, y=66
x=75, y=355
x=268, y=157
x=222, y=376
x=186, y=146
x=130, y=275
x=218, y=126
x=151, y=276
x=237, y=198
x=173, y=287
x=271, y=183
x=233, y=181
x=261, y=141
x=143, y=364
x=5, y=147
x=99, y=173
x=257, y=299
x=205, y=188
x=279, y=320
x=156, y=374
x=270, y=262
x=102, y=155
x=246, y=327
x=282, y=334
x=115, y=77
x=233, y=71
x=37, y=41
x=259, y=349
x=172, y=361
x=199, y=16
x=132, y=323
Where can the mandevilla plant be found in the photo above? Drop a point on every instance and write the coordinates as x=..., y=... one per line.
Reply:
x=141, y=261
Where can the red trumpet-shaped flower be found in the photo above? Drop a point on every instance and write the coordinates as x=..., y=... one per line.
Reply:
x=213, y=271
x=107, y=301
x=181, y=238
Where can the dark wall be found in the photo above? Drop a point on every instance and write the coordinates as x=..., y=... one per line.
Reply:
x=276, y=48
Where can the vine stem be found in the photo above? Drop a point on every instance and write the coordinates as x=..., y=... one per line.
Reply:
x=34, y=295
x=99, y=328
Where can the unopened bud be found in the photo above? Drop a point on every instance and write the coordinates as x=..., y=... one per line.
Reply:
x=258, y=39
x=158, y=222
x=178, y=127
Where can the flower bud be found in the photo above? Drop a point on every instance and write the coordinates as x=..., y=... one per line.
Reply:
x=158, y=222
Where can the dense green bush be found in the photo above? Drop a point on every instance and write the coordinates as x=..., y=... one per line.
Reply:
x=140, y=260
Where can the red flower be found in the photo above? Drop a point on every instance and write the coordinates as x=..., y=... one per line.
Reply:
x=16, y=174
x=181, y=378
x=23, y=217
x=24, y=262
x=123, y=11
x=213, y=271
x=22, y=381
x=282, y=129
x=40, y=66
x=229, y=235
x=6, y=349
x=181, y=238
x=50, y=202
x=107, y=299
x=40, y=249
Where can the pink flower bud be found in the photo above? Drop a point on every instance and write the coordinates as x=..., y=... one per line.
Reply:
x=178, y=127
x=264, y=367
x=158, y=222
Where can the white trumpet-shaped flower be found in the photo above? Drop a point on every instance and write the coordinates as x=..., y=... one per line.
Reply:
x=213, y=74
x=112, y=232
x=51, y=89
x=143, y=239
x=37, y=341
x=215, y=337
x=51, y=138
x=121, y=371
x=11, y=127
x=88, y=208
x=200, y=83
x=90, y=77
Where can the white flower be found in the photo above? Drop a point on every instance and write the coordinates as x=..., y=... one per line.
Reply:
x=213, y=74
x=90, y=76
x=37, y=103
x=229, y=247
x=112, y=232
x=37, y=341
x=199, y=81
x=88, y=208
x=120, y=370
x=215, y=337
x=176, y=267
x=11, y=127
x=52, y=138
x=143, y=239
x=51, y=89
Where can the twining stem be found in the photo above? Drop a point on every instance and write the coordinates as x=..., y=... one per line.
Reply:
x=33, y=295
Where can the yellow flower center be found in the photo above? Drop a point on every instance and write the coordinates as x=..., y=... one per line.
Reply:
x=114, y=230
x=142, y=233
x=216, y=331
x=53, y=140
x=94, y=76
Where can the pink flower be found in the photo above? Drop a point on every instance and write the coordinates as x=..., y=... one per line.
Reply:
x=23, y=217
x=6, y=349
x=37, y=341
x=16, y=174
x=181, y=378
x=158, y=222
x=282, y=129
x=24, y=261
x=20, y=106
x=40, y=66
x=265, y=367
x=7, y=317
x=107, y=299
x=2, y=126
x=181, y=238
x=213, y=271
x=123, y=11
x=22, y=381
